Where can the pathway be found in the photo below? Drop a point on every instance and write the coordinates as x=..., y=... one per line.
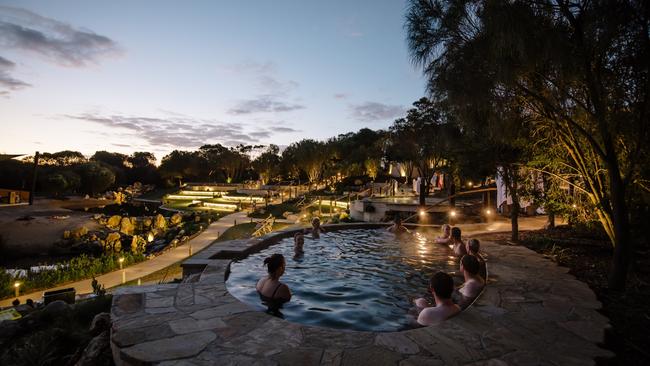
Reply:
x=158, y=263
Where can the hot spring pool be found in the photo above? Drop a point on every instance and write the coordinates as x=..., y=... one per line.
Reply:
x=363, y=279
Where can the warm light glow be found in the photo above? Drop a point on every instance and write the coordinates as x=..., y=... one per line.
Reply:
x=150, y=237
x=574, y=205
x=488, y=212
x=220, y=206
x=469, y=184
x=452, y=213
x=121, y=260
x=422, y=212
x=17, y=284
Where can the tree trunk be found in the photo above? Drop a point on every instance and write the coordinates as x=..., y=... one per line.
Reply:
x=622, y=242
x=550, y=222
x=423, y=193
x=514, y=213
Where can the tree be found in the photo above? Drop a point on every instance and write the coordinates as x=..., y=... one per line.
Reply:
x=179, y=165
x=424, y=139
x=230, y=163
x=578, y=70
x=309, y=156
x=267, y=164
x=95, y=178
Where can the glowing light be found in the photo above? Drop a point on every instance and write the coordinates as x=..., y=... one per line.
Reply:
x=488, y=212
x=422, y=213
x=17, y=284
x=220, y=206
x=121, y=260
x=452, y=213
x=150, y=237
x=574, y=205
x=469, y=184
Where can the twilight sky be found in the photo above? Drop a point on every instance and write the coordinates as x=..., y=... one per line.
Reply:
x=162, y=75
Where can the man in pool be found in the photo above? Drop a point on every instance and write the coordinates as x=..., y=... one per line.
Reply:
x=298, y=243
x=457, y=242
x=397, y=227
x=474, y=283
x=441, y=286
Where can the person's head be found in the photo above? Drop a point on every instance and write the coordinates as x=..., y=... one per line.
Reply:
x=30, y=302
x=275, y=265
x=473, y=246
x=442, y=285
x=455, y=233
x=469, y=264
x=15, y=302
x=315, y=222
x=298, y=241
x=446, y=230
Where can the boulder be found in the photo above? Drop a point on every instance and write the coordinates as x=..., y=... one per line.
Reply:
x=97, y=352
x=78, y=232
x=100, y=323
x=126, y=226
x=146, y=222
x=113, y=242
x=161, y=222
x=176, y=219
x=56, y=307
x=114, y=221
x=138, y=244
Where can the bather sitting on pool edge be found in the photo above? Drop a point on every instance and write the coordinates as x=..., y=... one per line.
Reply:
x=441, y=286
x=273, y=292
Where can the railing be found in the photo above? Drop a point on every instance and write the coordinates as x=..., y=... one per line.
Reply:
x=264, y=227
x=429, y=207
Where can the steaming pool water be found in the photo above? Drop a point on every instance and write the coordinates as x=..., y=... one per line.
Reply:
x=361, y=279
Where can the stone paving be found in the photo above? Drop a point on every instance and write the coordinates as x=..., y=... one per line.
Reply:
x=531, y=313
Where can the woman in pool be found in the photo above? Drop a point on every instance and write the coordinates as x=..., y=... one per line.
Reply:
x=457, y=242
x=445, y=237
x=273, y=292
x=316, y=229
x=397, y=227
x=298, y=243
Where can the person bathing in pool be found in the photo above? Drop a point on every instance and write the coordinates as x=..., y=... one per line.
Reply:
x=397, y=227
x=457, y=242
x=445, y=236
x=316, y=229
x=273, y=292
x=441, y=286
x=298, y=244
x=474, y=283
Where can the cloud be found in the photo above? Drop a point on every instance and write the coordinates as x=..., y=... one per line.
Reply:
x=51, y=39
x=373, y=111
x=264, y=103
x=7, y=82
x=340, y=96
x=176, y=132
x=285, y=129
x=274, y=92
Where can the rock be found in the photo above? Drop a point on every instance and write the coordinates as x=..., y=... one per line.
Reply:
x=98, y=216
x=176, y=219
x=160, y=223
x=138, y=244
x=146, y=223
x=78, y=232
x=113, y=242
x=126, y=226
x=56, y=307
x=114, y=221
x=98, y=351
x=101, y=322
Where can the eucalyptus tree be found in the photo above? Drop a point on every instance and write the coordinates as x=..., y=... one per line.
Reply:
x=579, y=71
x=424, y=139
x=309, y=156
x=267, y=164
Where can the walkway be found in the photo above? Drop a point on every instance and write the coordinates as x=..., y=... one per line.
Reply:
x=158, y=263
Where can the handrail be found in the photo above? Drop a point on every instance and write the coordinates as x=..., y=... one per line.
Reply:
x=428, y=208
x=265, y=227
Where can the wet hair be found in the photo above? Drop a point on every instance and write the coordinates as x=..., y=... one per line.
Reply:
x=445, y=227
x=470, y=264
x=315, y=220
x=455, y=233
x=273, y=262
x=15, y=302
x=442, y=284
x=298, y=234
x=474, y=245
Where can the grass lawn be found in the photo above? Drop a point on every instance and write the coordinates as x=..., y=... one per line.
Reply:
x=275, y=210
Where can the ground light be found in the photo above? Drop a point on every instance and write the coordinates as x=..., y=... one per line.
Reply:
x=121, y=260
x=452, y=214
x=17, y=287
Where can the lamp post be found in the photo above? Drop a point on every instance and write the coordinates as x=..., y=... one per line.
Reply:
x=121, y=261
x=452, y=214
x=17, y=287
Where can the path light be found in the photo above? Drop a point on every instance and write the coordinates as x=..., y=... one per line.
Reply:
x=469, y=184
x=17, y=287
x=488, y=212
x=150, y=237
x=422, y=213
x=121, y=260
x=452, y=213
x=574, y=205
